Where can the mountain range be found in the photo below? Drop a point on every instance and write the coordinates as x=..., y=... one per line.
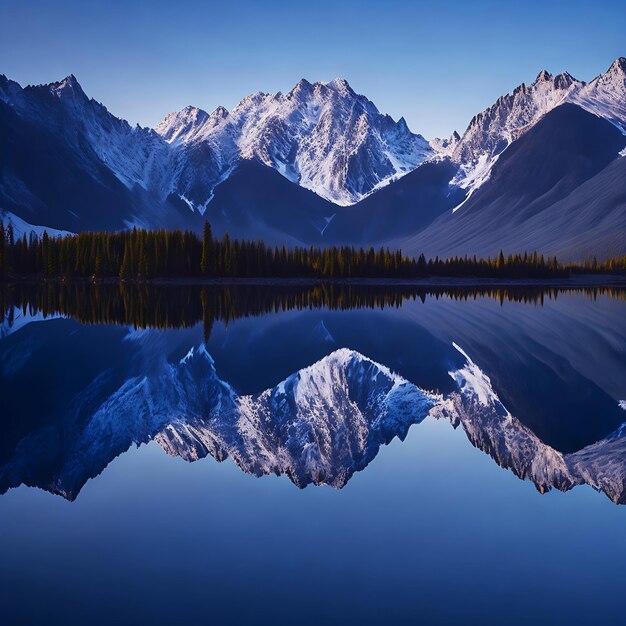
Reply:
x=542, y=168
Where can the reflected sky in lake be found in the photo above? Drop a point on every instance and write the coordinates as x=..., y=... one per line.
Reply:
x=410, y=424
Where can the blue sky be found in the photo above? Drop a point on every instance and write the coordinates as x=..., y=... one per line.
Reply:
x=435, y=63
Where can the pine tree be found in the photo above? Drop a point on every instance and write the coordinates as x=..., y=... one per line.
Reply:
x=125, y=269
x=206, y=262
x=500, y=261
x=45, y=252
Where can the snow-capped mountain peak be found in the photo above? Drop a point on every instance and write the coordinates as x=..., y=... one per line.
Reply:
x=220, y=113
x=543, y=75
x=10, y=91
x=182, y=125
x=67, y=87
x=342, y=87
x=402, y=125
x=605, y=95
x=135, y=155
x=492, y=130
x=318, y=426
x=495, y=127
x=618, y=67
x=323, y=136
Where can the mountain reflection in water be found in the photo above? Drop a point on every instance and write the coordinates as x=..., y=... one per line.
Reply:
x=78, y=396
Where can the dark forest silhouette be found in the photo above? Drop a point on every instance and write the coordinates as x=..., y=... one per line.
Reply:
x=140, y=255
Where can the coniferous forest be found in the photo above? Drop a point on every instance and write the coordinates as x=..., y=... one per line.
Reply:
x=140, y=255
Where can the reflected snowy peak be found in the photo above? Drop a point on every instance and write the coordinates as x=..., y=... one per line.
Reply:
x=490, y=427
x=318, y=426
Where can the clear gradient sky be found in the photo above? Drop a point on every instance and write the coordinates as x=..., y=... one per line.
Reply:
x=435, y=63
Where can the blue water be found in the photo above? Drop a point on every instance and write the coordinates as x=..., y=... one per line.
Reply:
x=431, y=531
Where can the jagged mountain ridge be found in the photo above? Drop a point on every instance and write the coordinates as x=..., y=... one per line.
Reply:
x=491, y=131
x=67, y=163
x=560, y=188
x=135, y=155
x=318, y=426
x=323, y=136
x=297, y=133
x=605, y=95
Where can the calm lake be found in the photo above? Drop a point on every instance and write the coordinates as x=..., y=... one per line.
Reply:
x=312, y=455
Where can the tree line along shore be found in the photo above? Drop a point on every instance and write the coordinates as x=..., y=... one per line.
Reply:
x=139, y=255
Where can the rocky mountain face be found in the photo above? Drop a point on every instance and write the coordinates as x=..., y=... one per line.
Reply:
x=318, y=426
x=67, y=163
x=322, y=136
x=492, y=429
x=135, y=155
x=559, y=188
x=606, y=95
x=492, y=130
x=446, y=146
x=542, y=169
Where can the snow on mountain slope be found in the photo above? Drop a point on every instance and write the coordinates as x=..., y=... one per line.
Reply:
x=606, y=95
x=320, y=425
x=323, y=136
x=559, y=189
x=68, y=163
x=21, y=227
x=16, y=319
x=492, y=130
x=491, y=428
x=445, y=147
x=72, y=161
x=135, y=155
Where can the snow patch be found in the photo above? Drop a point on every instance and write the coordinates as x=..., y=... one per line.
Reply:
x=472, y=176
x=474, y=382
x=189, y=203
x=22, y=227
x=18, y=319
x=193, y=352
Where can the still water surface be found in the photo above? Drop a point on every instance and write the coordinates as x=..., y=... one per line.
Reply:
x=255, y=455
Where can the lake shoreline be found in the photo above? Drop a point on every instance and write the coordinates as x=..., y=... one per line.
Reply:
x=573, y=282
